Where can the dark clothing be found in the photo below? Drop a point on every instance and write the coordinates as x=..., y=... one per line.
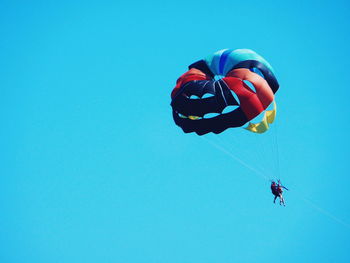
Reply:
x=274, y=189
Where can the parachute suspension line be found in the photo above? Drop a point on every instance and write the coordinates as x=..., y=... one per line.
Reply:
x=270, y=141
x=264, y=143
x=262, y=175
x=277, y=149
x=263, y=139
x=253, y=152
x=271, y=151
x=261, y=152
x=275, y=152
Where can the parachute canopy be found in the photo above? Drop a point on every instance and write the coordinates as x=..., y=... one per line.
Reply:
x=239, y=79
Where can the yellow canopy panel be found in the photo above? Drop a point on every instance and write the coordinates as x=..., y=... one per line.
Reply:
x=263, y=126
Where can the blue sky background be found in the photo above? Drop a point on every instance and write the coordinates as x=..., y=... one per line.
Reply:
x=93, y=169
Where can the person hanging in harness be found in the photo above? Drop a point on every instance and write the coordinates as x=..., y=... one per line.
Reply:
x=277, y=191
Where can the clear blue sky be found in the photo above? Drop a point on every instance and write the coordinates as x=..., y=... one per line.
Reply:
x=93, y=169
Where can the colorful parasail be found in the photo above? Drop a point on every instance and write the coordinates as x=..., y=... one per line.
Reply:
x=239, y=80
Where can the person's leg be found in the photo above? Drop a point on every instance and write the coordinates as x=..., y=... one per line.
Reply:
x=274, y=200
x=282, y=200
